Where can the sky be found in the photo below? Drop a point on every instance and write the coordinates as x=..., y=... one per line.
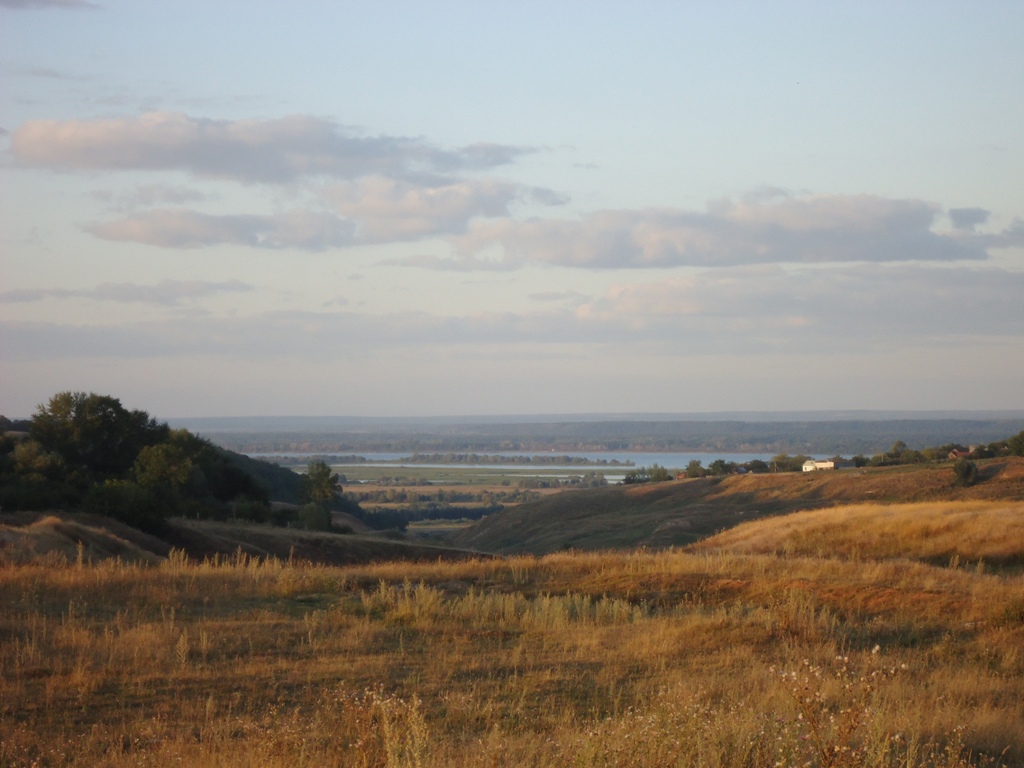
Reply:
x=459, y=208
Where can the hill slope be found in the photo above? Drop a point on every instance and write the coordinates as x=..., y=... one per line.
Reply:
x=683, y=512
x=940, y=533
x=65, y=537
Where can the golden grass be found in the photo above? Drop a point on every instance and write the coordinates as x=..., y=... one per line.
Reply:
x=61, y=539
x=614, y=659
x=958, y=532
x=825, y=639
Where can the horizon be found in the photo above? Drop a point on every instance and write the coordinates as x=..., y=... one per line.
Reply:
x=438, y=209
x=761, y=416
x=822, y=416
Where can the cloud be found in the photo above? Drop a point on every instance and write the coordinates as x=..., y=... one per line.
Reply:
x=860, y=305
x=558, y=296
x=745, y=310
x=1011, y=237
x=148, y=195
x=270, y=151
x=62, y=4
x=763, y=230
x=375, y=209
x=45, y=73
x=388, y=209
x=166, y=292
x=966, y=219
x=177, y=228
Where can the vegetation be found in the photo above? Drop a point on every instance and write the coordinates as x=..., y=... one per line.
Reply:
x=683, y=512
x=652, y=474
x=966, y=472
x=477, y=458
x=642, y=658
x=864, y=618
x=87, y=451
x=984, y=535
x=669, y=434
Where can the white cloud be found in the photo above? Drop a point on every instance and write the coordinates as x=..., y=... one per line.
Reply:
x=967, y=219
x=745, y=310
x=856, y=305
x=1011, y=237
x=270, y=151
x=822, y=229
x=166, y=292
x=176, y=228
x=63, y=4
x=376, y=209
x=388, y=209
x=147, y=195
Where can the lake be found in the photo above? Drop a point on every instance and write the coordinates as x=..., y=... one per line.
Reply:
x=627, y=458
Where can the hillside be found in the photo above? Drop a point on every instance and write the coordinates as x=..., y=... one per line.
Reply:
x=960, y=533
x=645, y=658
x=59, y=537
x=682, y=512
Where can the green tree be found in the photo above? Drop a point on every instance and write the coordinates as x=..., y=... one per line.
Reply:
x=966, y=472
x=636, y=476
x=320, y=484
x=95, y=432
x=129, y=502
x=1016, y=444
x=658, y=474
x=694, y=469
x=163, y=466
x=721, y=467
x=315, y=518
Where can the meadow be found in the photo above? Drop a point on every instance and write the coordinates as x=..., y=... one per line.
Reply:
x=823, y=654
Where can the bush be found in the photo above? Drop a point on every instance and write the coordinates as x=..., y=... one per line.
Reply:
x=966, y=472
x=130, y=503
x=315, y=518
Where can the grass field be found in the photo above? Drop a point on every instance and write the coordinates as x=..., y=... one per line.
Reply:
x=798, y=655
x=683, y=512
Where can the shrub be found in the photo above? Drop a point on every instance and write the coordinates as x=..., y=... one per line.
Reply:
x=315, y=518
x=966, y=472
x=130, y=503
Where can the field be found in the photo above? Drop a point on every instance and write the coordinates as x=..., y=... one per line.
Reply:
x=683, y=512
x=808, y=651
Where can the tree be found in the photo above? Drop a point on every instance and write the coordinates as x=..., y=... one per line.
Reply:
x=694, y=469
x=658, y=474
x=721, y=467
x=319, y=483
x=636, y=477
x=162, y=466
x=966, y=472
x=1016, y=444
x=131, y=503
x=95, y=432
x=315, y=518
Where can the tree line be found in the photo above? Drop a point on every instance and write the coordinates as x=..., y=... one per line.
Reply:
x=899, y=454
x=87, y=452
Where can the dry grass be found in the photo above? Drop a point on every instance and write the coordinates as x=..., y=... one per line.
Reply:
x=684, y=512
x=967, y=532
x=60, y=539
x=615, y=659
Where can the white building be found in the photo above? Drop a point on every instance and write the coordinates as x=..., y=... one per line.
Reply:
x=812, y=465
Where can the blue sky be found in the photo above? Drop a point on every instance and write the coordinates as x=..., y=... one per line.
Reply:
x=455, y=208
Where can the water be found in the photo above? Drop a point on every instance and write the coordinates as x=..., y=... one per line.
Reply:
x=626, y=459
